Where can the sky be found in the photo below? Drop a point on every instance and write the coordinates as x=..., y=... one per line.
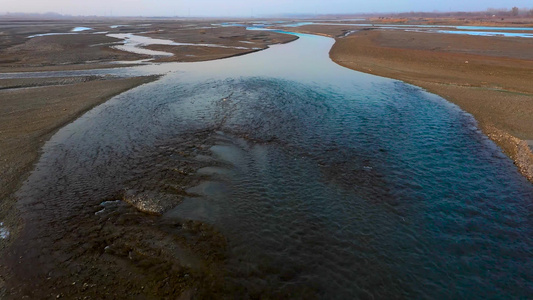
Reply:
x=247, y=8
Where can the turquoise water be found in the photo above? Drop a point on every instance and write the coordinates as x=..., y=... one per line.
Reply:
x=327, y=183
x=487, y=33
x=493, y=28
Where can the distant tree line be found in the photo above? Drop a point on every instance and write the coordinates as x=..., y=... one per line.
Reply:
x=490, y=12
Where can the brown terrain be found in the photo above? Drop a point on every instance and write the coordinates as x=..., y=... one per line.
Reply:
x=92, y=49
x=488, y=77
x=207, y=34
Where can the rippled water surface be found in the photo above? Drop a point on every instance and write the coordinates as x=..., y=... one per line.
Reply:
x=326, y=182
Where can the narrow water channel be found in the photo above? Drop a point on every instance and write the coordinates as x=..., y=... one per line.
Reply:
x=324, y=182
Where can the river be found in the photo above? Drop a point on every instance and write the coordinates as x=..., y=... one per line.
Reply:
x=323, y=182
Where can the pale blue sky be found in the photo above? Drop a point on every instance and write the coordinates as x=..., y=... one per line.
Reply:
x=246, y=7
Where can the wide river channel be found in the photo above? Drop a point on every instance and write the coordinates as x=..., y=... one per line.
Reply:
x=324, y=182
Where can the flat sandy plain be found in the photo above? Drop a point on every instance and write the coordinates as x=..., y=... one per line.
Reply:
x=489, y=77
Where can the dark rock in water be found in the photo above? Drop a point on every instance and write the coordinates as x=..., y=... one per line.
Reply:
x=151, y=202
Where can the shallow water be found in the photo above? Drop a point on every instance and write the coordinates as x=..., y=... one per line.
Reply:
x=48, y=34
x=78, y=29
x=494, y=28
x=326, y=182
x=4, y=233
x=487, y=33
x=74, y=30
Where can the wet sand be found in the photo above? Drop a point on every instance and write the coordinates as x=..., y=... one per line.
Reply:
x=488, y=77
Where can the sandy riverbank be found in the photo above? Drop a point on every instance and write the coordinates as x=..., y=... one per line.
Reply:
x=488, y=77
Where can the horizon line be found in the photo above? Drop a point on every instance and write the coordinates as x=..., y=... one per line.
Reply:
x=278, y=15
